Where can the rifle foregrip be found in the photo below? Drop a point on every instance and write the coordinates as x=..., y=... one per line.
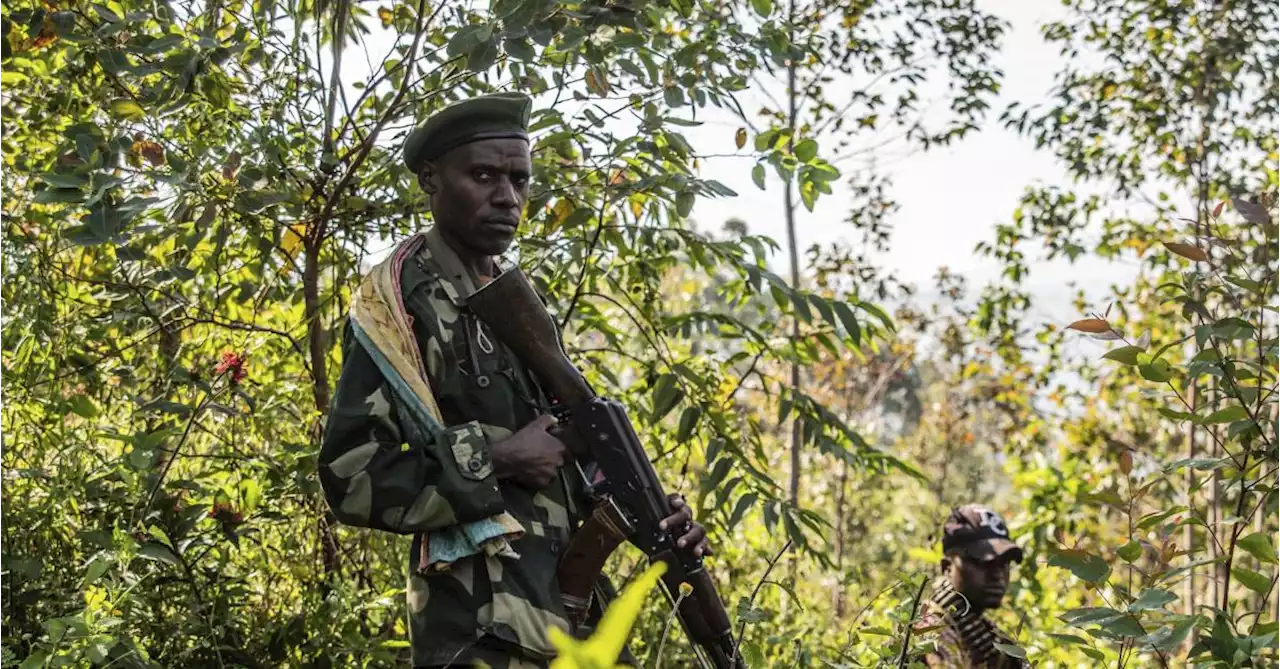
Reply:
x=584, y=558
x=701, y=611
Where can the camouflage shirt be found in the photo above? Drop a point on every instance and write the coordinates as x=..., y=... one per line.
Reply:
x=379, y=472
x=965, y=639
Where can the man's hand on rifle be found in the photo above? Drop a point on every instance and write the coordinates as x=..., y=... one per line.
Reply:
x=531, y=456
x=697, y=534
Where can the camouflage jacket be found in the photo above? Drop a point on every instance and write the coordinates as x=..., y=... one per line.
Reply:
x=412, y=484
x=965, y=639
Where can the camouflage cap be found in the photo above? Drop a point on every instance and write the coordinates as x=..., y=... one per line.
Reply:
x=492, y=116
x=979, y=532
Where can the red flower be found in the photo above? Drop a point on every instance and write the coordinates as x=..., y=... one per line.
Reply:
x=231, y=363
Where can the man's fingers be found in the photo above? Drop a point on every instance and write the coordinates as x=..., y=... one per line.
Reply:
x=693, y=536
x=543, y=422
x=680, y=517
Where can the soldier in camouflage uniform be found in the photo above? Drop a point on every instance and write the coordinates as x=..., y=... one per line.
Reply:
x=978, y=555
x=497, y=456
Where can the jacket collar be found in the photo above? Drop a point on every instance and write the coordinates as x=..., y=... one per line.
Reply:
x=457, y=277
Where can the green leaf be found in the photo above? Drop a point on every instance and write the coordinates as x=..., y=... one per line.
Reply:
x=95, y=571
x=1259, y=546
x=1084, y=565
x=141, y=458
x=674, y=97
x=752, y=654
x=483, y=56
x=806, y=150
x=1011, y=649
x=1233, y=328
x=740, y=508
x=666, y=395
x=762, y=7
x=464, y=40
x=250, y=495
x=684, y=203
x=520, y=49
x=1198, y=464
x=1252, y=580
x=1151, y=599
x=154, y=550
x=1124, y=626
x=100, y=646
x=84, y=407
x=65, y=180
x=757, y=175
x=1180, y=416
x=688, y=421
x=1155, y=518
x=849, y=320
x=1170, y=636
x=1227, y=415
x=1158, y=371
x=718, y=472
x=1089, y=614
x=1130, y=551
x=10, y=78
x=128, y=110
x=34, y=661
x=1127, y=355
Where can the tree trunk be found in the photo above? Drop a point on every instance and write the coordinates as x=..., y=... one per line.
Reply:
x=840, y=539
x=1188, y=531
x=318, y=348
x=788, y=200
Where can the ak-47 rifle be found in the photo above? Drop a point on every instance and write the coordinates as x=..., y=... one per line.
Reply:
x=627, y=500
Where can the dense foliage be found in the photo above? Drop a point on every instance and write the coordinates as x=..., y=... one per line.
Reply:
x=192, y=190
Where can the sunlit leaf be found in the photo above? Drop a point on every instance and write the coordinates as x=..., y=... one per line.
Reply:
x=1227, y=415
x=1130, y=551
x=1084, y=565
x=1259, y=546
x=1127, y=355
x=1252, y=580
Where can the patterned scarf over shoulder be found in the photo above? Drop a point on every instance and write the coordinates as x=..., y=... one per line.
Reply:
x=966, y=639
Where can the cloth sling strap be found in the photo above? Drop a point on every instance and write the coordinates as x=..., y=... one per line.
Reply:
x=382, y=325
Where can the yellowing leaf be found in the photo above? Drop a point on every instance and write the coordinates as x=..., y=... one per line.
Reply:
x=1090, y=325
x=637, y=207
x=1186, y=251
x=128, y=110
x=597, y=81
x=386, y=16
x=292, y=238
x=560, y=213
x=602, y=649
x=740, y=138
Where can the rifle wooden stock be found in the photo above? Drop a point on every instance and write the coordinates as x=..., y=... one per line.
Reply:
x=603, y=435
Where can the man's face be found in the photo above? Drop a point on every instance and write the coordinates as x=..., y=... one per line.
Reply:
x=478, y=194
x=982, y=582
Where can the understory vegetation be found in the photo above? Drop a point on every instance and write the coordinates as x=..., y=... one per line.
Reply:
x=192, y=190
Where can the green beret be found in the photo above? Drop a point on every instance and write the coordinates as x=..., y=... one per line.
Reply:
x=492, y=116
